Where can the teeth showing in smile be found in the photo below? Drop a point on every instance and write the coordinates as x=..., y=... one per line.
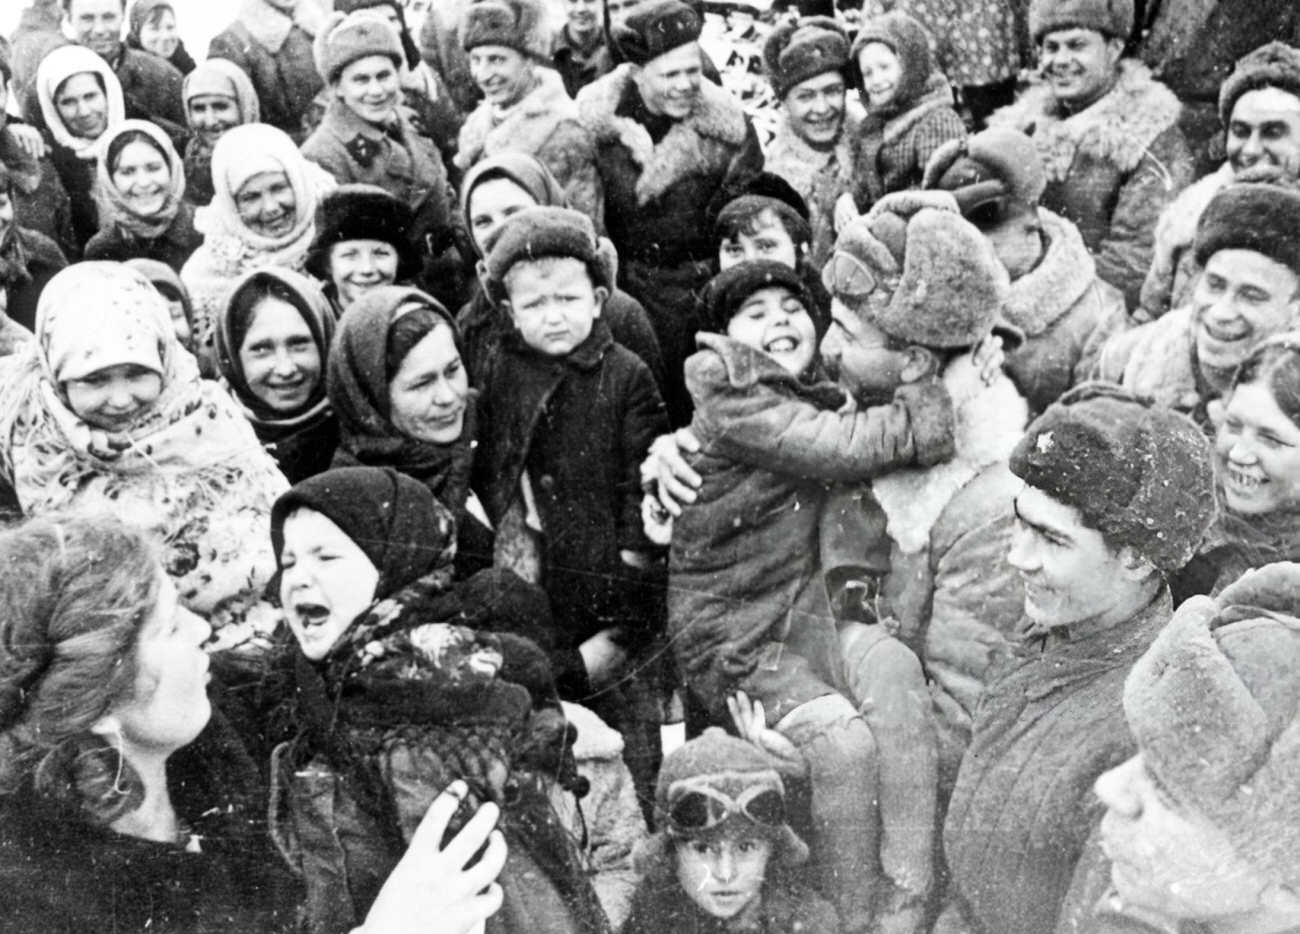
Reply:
x=1245, y=481
x=781, y=345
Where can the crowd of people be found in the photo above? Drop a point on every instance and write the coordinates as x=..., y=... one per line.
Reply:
x=409, y=409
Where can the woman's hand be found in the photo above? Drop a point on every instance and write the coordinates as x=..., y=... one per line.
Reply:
x=989, y=358
x=666, y=473
x=751, y=723
x=431, y=889
x=29, y=140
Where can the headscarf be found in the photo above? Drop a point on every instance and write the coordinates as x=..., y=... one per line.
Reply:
x=59, y=66
x=167, y=281
x=223, y=78
x=139, y=15
x=357, y=382
x=113, y=206
x=526, y=171
x=315, y=310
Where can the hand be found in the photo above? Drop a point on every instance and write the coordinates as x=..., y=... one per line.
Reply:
x=751, y=724
x=666, y=472
x=431, y=888
x=656, y=521
x=29, y=140
x=602, y=657
x=989, y=358
x=846, y=211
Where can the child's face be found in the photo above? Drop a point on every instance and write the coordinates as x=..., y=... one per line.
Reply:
x=775, y=321
x=114, y=397
x=326, y=581
x=770, y=240
x=724, y=875
x=553, y=303
x=881, y=72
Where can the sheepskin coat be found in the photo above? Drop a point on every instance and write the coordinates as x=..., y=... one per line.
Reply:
x=1112, y=168
x=1066, y=312
x=1159, y=360
x=1173, y=271
x=820, y=176
x=1048, y=724
x=544, y=123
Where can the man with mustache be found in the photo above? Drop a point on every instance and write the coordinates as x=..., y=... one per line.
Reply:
x=1259, y=109
x=1107, y=131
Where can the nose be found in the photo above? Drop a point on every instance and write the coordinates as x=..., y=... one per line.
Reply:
x=365, y=263
x=443, y=394
x=198, y=627
x=1253, y=146
x=724, y=867
x=120, y=395
x=830, y=347
x=1022, y=555
x=1242, y=452
x=283, y=364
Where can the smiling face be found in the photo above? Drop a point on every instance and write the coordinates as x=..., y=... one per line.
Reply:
x=503, y=74
x=279, y=356
x=583, y=16
x=490, y=204
x=815, y=109
x=143, y=177
x=723, y=874
x=1264, y=129
x=96, y=24
x=670, y=84
x=860, y=355
x=1241, y=298
x=881, y=73
x=776, y=322
x=211, y=115
x=82, y=106
x=267, y=205
x=553, y=303
x=357, y=266
x=769, y=240
x=159, y=34
x=428, y=396
x=326, y=581
x=113, y=398
x=1257, y=451
x=370, y=87
x=1080, y=65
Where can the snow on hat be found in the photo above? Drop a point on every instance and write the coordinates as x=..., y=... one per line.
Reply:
x=1112, y=18
x=515, y=24
x=1252, y=216
x=1137, y=472
x=803, y=49
x=994, y=167
x=1273, y=65
x=654, y=28
x=536, y=233
x=349, y=37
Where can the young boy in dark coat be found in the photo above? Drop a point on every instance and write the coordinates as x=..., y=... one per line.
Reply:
x=569, y=415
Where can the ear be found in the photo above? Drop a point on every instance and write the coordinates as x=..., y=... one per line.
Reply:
x=1133, y=567
x=602, y=296
x=1114, y=51
x=921, y=364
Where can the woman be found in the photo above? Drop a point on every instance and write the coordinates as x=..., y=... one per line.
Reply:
x=367, y=135
x=28, y=260
x=218, y=96
x=273, y=338
x=140, y=183
x=363, y=241
x=105, y=411
x=151, y=26
x=262, y=214
x=169, y=285
x=125, y=801
x=80, y=100
x=495, y=189
x=1257, y=456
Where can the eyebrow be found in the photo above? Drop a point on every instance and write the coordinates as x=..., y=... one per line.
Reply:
x=1045, y=530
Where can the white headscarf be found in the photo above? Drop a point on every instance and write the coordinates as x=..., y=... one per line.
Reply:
x=57, y=67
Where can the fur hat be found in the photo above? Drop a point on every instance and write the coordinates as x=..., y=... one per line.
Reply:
x=1139, y=473
x=1274, y=65
x=729, y=289
x=403, y=34
x=362, y=212
x=994, y=169
x=944, y=283
x=348, y=37
x=910, y=42
x=1215, y=708
x=654, y=28
x=1252, y=216
x=515, y=24
x=539, y=232
x=721, y=763
x=803, y=49
x=1113, y=18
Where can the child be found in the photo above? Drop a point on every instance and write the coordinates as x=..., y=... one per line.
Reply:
x=569, y=416
x=748, y=607
x=392, y=700
x=909, y=109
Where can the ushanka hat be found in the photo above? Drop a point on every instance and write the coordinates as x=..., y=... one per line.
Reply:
x=654, y=28
x=1252, y=216
x=1214, y=705
x=714, y=783
x=362, y=212
x=803, y=49
x=541, y=232
x=515, y=24
x=729, y=289
x=349, y=37
x=1273, y=65
x=1139, y=473
x=1112, y=18
x=988, y=173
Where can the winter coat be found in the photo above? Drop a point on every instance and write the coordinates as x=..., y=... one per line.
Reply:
x=891, y=150
x=660, y=907
x=172, y=247
x=975, y=42
x=1172, y=276
x=1112, y=168
x=151, y=90
x=661, y=180
x=577, y=70
x=1048, y=724
x=579, y=426
x=1158, y=360
x=820, y=176
x=28, y=260
x=747, y=606
x=1066, y=313
x=276, y=53
x=77, y=177
x=1234, y=545
x=40, y=201
x=545, y=123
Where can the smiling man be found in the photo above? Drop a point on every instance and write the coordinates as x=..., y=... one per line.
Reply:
x=1107, y=131
x=580, y=50
x=1249, y=291
x=1117, y=493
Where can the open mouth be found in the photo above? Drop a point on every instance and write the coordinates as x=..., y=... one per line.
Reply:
x=1226, y=333
x=784, y=344
x=310, y=614
x=1245, y=481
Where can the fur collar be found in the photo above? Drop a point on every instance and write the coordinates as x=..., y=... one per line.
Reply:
x=1118, y=129
x=684, y=149
x=790, y=156
x=525, y=126
x=270, y=27
x=1177, y=225
x=989, y=422
x=1041, y=296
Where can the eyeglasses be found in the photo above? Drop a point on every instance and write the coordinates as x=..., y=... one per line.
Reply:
x=702, y=808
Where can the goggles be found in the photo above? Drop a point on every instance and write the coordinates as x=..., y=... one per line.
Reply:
x=698, y=808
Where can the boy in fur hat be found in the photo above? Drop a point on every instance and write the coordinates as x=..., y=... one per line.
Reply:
x=720, y=861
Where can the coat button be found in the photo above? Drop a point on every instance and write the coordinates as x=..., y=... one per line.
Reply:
x=547, y=482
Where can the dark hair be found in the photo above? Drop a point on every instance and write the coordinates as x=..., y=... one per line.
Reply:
x=742, y=216
x=1275, y=364
x=126, y=139
x=73, y=596
x=248, y=299
x=156, y=14
x=407, y=331
x=99, y=80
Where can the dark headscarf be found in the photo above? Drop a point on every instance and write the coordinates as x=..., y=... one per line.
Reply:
x=524, y=170
x=141, y=12
x=357, y=381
